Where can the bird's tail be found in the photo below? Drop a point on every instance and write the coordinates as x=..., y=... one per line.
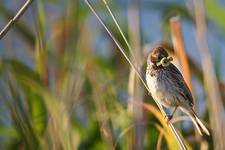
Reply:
x=198, y=123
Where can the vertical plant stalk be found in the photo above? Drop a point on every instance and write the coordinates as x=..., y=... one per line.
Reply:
x=216, y=110
x=159, y=142
x=134, y=85
x=41, y=49
x=41, y=58
x=173, y=130
x=15, y=18
x=59, y=127
x=134, y=34
x=102, y=113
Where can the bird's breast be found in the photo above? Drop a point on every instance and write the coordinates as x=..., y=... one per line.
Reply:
x=154, y=86
x=159, y=89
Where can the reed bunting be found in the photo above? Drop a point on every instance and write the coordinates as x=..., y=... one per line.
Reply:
x=167, y=86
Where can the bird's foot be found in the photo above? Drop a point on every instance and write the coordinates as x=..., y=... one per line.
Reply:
x=168, y=118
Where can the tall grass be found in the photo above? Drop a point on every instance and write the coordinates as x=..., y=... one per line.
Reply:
x=79, y=92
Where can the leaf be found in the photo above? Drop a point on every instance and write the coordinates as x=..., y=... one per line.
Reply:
x=171, y=141
x=8, y=132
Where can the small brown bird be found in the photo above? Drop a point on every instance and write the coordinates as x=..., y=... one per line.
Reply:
x=167, y=86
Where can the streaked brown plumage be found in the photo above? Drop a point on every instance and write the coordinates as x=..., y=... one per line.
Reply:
x=168, y=87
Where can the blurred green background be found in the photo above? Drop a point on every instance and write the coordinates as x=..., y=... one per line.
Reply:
x=65, y=85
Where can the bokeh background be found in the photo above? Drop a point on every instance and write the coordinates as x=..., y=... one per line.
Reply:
x=65, y=85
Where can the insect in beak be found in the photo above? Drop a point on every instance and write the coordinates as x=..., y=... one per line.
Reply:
x=165, y=61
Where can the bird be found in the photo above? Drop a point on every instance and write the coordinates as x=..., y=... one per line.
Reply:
x=168, y=87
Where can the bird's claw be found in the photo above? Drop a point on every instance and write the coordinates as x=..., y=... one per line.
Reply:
x=168, y=118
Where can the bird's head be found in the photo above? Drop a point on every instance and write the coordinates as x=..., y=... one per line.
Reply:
x=159, y=57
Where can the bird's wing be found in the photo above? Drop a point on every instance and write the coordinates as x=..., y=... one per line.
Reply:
x=183, y=89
